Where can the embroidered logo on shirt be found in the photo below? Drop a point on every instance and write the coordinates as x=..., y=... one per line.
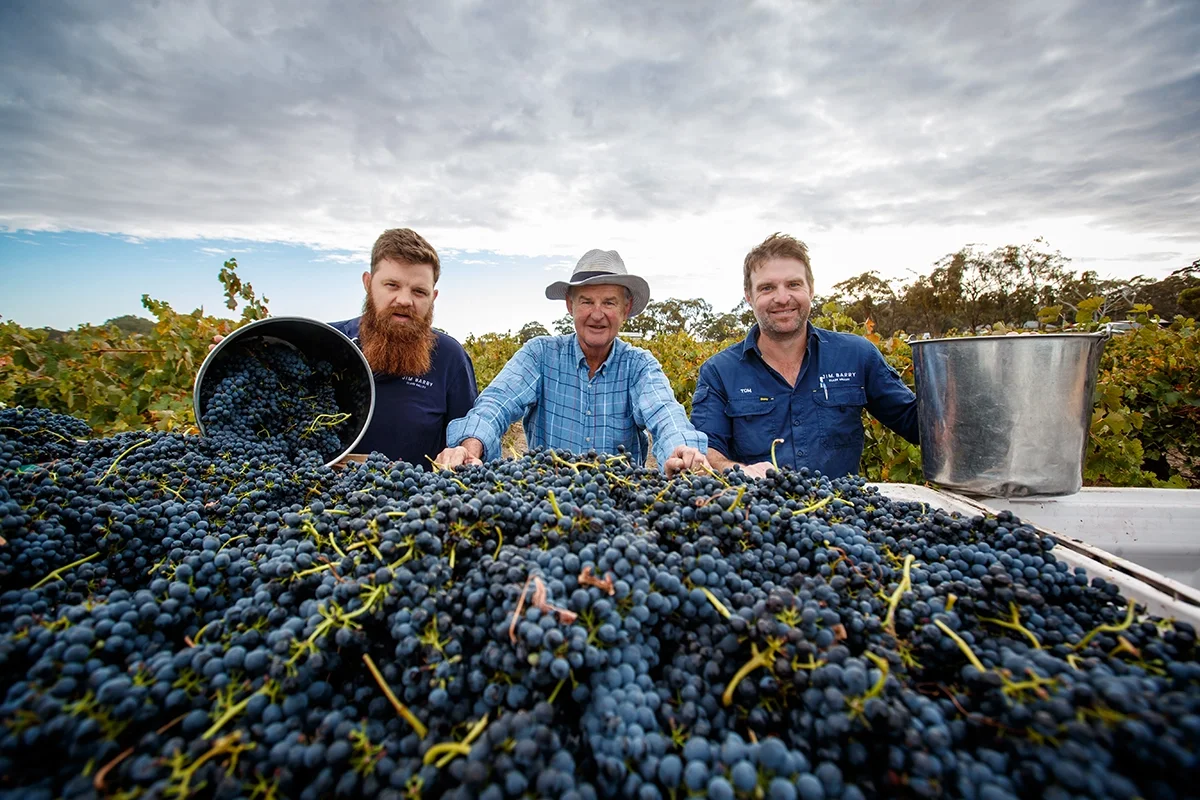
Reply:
x=839, y=377
x=420, y=383
x=747, y=391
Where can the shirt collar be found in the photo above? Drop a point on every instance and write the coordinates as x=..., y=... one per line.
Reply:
x=750, y=344
x=581, y=359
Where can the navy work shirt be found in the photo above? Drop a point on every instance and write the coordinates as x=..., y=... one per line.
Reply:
x=411, y=413
x=743, y=404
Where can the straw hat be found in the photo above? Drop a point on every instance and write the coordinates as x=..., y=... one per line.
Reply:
x=603, y=267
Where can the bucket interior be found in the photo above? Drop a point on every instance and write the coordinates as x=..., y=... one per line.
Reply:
x=353, y=384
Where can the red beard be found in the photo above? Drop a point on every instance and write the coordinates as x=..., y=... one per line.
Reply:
x=396, y=348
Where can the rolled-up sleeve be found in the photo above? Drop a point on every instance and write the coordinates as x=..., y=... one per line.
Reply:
x=708, y=410
x=890, y=400
x=502, y=403
x=656, y=409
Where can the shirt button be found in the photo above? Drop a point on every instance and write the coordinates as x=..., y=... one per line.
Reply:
x=795, y=422
x=588, y=413
x=588, y=439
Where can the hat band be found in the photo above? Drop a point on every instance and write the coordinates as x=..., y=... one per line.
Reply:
x=587, y=276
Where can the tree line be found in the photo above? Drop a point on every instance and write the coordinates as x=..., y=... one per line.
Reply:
x=1016, y=285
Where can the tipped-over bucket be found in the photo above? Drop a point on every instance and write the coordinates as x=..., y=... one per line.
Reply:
x=1006, y=416
x=353, y=384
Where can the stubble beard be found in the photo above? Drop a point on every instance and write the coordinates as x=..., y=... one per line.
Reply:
x=771, y=332
x=393, y=348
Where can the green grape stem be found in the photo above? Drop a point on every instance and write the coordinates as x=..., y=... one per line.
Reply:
x=962, y=645
x=56, y=573
x=764, y=658
x=1014, y=624
x=112, y=467
x=401, y=709
x=775, y=463
x=894, y=601
x=1109, y=628
x=717, y=604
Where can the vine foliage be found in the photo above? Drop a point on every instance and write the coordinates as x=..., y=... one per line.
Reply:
x=1145, y=426
x=118, y=381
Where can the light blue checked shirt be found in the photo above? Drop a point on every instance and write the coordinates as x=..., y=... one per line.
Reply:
x=547, y=381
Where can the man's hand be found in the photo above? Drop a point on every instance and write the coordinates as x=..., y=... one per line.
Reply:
x=685, y=458
x=758, y=470
x=468, y=453
x=720, y=462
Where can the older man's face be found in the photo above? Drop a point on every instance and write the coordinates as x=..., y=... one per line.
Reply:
x=599, y=312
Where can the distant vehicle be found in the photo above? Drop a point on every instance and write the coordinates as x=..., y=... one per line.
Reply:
x=1117, y=328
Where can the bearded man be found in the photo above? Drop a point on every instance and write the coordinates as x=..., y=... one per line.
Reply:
x=423, y=378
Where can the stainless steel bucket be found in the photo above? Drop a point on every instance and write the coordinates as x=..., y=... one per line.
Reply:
x=1006, y=416
x=353, y=384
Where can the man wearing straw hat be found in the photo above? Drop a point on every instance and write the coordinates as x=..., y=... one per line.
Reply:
x=587, y=390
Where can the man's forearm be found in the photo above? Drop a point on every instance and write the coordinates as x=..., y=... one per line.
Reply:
x=501, y=404
x=718, y=461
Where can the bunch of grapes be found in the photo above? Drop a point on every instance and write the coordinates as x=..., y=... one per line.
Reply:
x=29, y=435
x=268, y=393
x=184, y=616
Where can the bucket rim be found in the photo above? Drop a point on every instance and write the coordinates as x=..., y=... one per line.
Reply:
x=1010, y=337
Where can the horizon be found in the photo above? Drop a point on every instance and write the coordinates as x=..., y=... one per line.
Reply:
x=215, y=305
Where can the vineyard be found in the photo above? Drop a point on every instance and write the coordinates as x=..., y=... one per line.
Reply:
x=1145, y=428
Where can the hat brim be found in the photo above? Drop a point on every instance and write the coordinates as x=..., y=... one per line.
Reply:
x=636, y=286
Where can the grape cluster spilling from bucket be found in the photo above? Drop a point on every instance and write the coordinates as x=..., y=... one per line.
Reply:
x=181, y=617
x=271, y=394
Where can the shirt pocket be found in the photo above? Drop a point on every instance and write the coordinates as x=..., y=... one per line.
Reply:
x=840, y=411
x=752, y=426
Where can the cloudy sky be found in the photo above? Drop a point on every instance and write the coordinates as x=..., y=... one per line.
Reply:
x=142, y=143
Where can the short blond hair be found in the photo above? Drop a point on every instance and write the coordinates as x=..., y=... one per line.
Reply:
x=777, y=245
x=405, y=244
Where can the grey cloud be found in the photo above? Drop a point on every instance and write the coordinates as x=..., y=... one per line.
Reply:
x=1157, y=256
x=301, y=117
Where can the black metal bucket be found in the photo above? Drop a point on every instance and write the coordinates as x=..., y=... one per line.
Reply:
x=353, y=383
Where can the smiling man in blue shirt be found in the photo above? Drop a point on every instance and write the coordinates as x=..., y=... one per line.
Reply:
x=792, y=381
x=588, y=390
